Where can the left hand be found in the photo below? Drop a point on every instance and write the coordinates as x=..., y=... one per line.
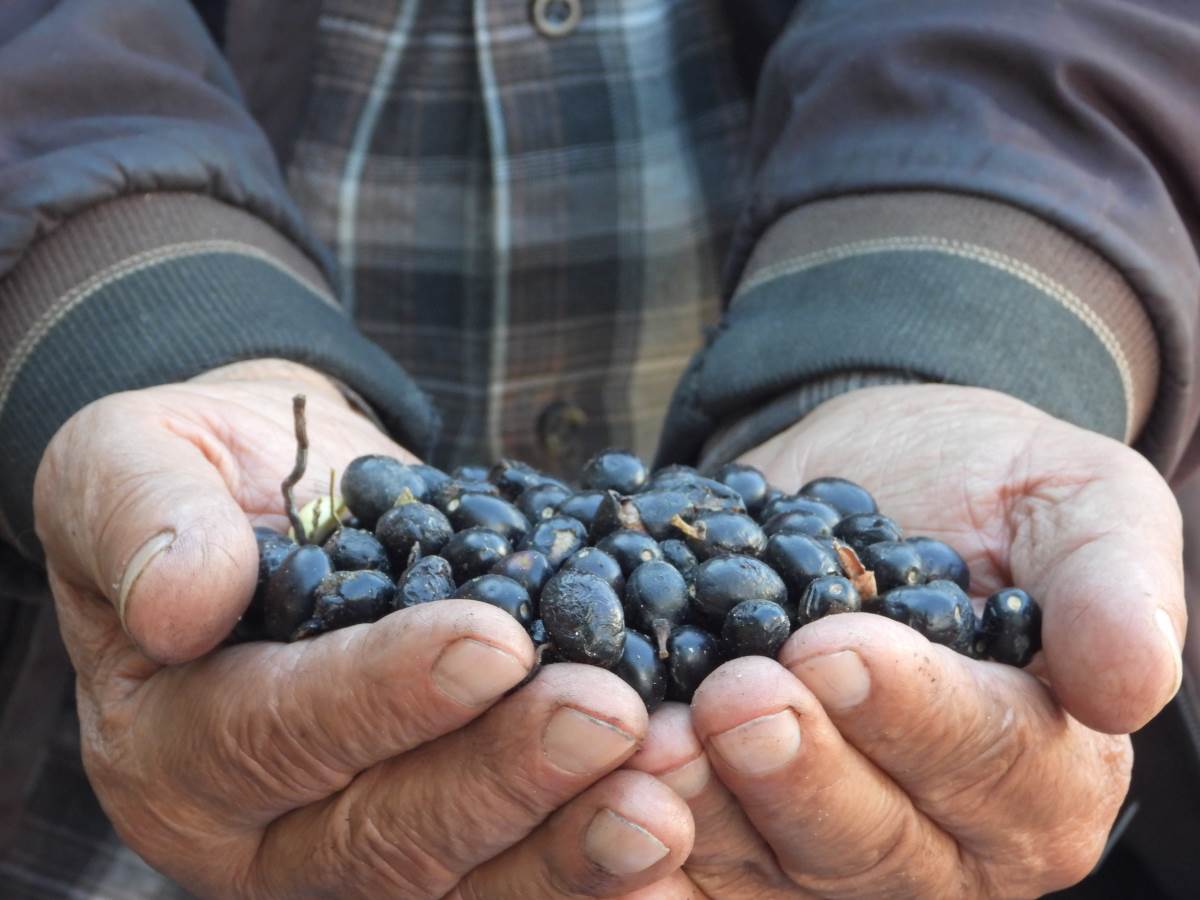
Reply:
x=868, y=761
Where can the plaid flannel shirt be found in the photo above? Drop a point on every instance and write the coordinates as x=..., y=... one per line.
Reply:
x=536, y=228
x=534, y=225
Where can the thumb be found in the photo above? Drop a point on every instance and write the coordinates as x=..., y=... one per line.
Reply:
x=134, y=506
x=1105, y=556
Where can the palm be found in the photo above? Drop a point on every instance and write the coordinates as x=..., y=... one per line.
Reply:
x=933, y=771
x=247, y=430
x=996, y=479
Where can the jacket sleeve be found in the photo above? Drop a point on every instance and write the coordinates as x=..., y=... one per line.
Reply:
x=1002, y=195
x=145, y=231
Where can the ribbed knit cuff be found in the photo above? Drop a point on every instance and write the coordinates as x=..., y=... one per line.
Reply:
x=158, y=288
x=912, y=287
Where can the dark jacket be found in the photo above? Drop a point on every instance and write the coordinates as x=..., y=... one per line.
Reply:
x=1072, y=124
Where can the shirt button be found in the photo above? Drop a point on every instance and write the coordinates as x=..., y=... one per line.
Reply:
x=556, y=18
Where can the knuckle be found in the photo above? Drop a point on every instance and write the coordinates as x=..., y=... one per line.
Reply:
x=382, y=852
x=868, y=871
x=274, y=757
x=509, y=795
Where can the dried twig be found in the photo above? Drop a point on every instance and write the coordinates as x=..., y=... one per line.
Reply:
x=289, y=500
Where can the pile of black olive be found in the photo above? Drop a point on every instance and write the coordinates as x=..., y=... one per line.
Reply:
x=659, y=576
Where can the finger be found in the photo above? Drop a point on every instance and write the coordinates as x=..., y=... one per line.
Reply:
x=1105, y=559
x=729, y=860
x=836, y=824
x=626, y=833
x=259, y=729
x=676, y=886
x=144, y=518
x=961, y=737
x=398, y=829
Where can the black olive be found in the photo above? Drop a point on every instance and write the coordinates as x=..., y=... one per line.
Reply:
x=470, y=473
x=656, y=600
x=352, y=550
x=582, y=506
x=528, y=568
x=557, y=538
x=755, y=628
x=723, y=533
x=411, y=524
x=747, y=481
x=290, y=596
x=501, y=592
x=797, y=523
x=941, y=561
x=426, y=580
x=595, y=561
x=493, y=513
x=513, y=478
x=614, y=470
x=541, y=501
x=273, y=549
x=670, y=477
x=641, y=669
x=630, y=549
x=474, y=552
x=372, y=484
x=799, y=559
x=613, y=513
x=693, y=654
x=864, y=529
x=828, y=595
x=725, y=581
x=806, y=506
x=845, y=496
x=1011, y=630
x=676, y=552
x=449, y=491
x=940, y=610
x=584, y=619
x=895, y=564
x=347, y=598
x=431, y=475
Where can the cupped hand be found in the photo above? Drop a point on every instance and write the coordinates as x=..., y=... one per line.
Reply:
x=867, y=761
x=378, y=760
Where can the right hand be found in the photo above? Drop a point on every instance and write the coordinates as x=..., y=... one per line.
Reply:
x=373, y=761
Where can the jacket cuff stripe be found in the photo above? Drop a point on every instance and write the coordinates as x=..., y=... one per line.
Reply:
x=168, y=318
x=1045, y=285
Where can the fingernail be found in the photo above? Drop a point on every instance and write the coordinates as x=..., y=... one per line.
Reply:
x=474, y=673
x=582, y=744
x=137, y=564
x=621, y=847
x=840, y=680
x=761, y=744
x=689, y=779
x=1167, y=627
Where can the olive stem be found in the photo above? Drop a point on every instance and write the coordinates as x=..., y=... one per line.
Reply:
x=300, y=419
x=662, y=633
x=690, y=530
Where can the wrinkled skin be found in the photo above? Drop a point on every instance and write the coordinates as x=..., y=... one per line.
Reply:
x=373, y=761
x=867, y=761
x=348, y=764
